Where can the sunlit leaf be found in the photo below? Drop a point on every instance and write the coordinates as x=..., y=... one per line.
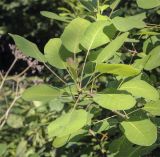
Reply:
x=117, y=69
x=115, y=101
x=52, y=53
x=73, y=33
x=94, y=36
x=68, y=123
x=140, y=88
x=141, y=132
x=124, y=24
x=60, y=141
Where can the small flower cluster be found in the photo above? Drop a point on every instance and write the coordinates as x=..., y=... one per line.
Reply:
x=33, y=64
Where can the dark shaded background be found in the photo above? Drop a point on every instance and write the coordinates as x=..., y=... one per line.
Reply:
x=23, y=17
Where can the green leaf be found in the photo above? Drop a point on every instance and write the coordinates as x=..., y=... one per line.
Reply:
x=140, y=63
x=21, y=148
x=124, y=24
x=149, y=5
x=52, y=53
x=118, y=147
x=102, y=126
x=41, y=93
x=140, y=88
x=150, y=44
x=153, y=107
x=28, y=48
x=54, y=16
x=117, y=69
x=111, y=48
x=3, y=148
x=154, y=59
x=56, y=105
x=90, y=5
x=60, y=141
x=73, y=33
x=94, y=36
x=15, y=121
x=141, y=132
x=68, y=123
x=115, y=101
x=115, y=4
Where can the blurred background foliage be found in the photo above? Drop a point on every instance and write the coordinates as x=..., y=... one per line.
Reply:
x=23, y=17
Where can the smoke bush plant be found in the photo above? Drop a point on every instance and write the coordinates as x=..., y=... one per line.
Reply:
x=103, y=86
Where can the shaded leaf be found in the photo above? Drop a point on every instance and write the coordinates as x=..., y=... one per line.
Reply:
x=90, y=5
x=28, y=48
x=41, y=93
x=3, y=148
x=153, y=107
x=149, y=5
x=15, y=121
x=154, y=59
x=111, y=48
x=54, y=16
x=56, y=105
x=21, y=148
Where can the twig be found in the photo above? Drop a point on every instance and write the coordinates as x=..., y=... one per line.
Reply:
x=105, y=119
x=120, y=114
x=8, y=71
x=54, y=73
x=4, y=118
x=1, y=75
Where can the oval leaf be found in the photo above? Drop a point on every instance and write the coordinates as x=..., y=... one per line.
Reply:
x=153, y=108
x=67, y=123
x=28, y=48
x=140, y=88
x=117, y=69
x=115, y=101
x=111, y=48
x=41, y=93
x=54, y=16
x=15, y=121
x=60, y=141
x=124, y=24
x=154, y=59
x=142, y=132
x=94, y=36
x=52, y=53
x=149, y=5
x=73, y=33
x=3, y=148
